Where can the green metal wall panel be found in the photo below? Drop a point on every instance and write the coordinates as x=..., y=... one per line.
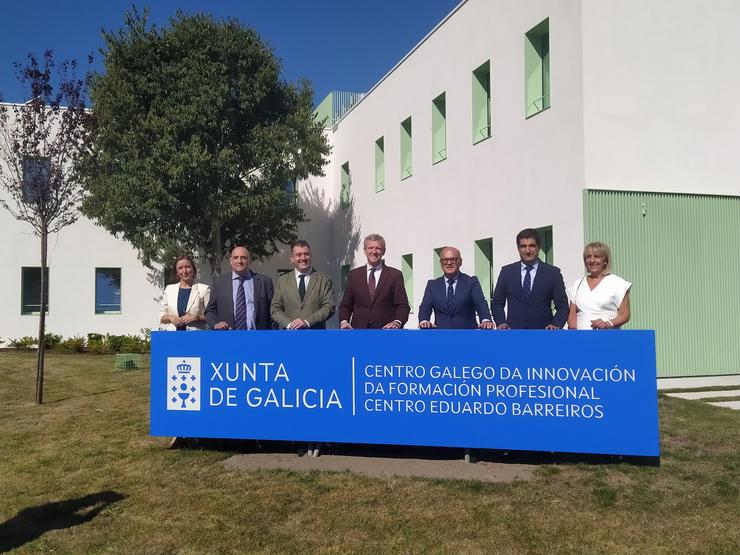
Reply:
x=406, y=151
x=483, y=263
x=407, y=269
x=379, y=165
x=439, y=128
x=682, y=254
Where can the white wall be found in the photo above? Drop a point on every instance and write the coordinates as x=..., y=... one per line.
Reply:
x=661, y=82
x=528, y=174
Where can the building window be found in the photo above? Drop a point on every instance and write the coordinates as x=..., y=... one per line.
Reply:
x=406, y=148
x=439, y=128
x=291, y=192
x=437, y=266
x=407, y=269
x=546, y=249
x=537, y=68
x=379, y=165
x=484, y=265
x=31, y=290
x=107, y=290
x=482, y=102
x=345, y=191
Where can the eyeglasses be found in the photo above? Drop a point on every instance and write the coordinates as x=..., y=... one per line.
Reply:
x=448, y=260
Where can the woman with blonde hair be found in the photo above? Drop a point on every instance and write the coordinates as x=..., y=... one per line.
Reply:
x=184, y=302
x=599, y=300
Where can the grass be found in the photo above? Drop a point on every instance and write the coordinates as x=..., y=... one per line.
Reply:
x=79, y=474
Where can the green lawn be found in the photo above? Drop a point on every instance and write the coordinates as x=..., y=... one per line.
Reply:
x=79, y=474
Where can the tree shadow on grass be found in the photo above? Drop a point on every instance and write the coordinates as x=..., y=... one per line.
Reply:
x=33, y=522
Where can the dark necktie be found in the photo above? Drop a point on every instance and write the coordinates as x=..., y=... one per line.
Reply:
x=527, y=285
x=240, y=310
x=371, y=283
x=450, y=293
x=302, y=286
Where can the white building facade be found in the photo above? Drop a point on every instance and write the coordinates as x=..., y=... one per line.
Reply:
x=587, y=119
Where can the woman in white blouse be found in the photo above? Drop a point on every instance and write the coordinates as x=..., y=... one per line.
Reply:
x=599, y=300
x=184, y=303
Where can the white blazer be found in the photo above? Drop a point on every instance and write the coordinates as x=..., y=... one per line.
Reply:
x=199, y=295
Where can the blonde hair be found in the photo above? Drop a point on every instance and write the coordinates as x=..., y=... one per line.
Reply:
x=599, y=249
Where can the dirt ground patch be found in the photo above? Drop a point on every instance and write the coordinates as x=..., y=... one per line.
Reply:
x=407, y=462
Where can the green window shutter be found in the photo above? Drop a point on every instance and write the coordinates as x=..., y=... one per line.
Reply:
x=537, y=68
x=345, y=180
x=481, y=102
x=379, y=165
x=407, y=269
x=439, y=128
x=31, y=290
x=547, y=253
x=437, y=266
x=406, y=170
x=484, y=265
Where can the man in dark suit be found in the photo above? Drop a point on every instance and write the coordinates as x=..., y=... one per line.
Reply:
x=304, y=298
x=374, y=296
x=455, y=297
x=528, y=288
x=240, y=300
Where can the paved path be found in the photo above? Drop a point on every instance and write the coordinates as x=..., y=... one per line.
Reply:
x=702, y=383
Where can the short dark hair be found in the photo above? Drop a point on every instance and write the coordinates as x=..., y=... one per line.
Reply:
x=299, y=243
x=187, y=257
x=528, y=233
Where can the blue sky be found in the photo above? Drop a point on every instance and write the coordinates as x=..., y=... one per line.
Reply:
x=337, y=45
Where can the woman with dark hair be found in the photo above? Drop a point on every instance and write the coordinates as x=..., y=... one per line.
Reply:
x=599, y=300
x=184, y=302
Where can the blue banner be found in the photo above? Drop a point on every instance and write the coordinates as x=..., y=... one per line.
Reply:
x=567, y=391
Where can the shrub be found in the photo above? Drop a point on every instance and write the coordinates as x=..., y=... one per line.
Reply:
x=52, y=341
x=97, y=344
x=74, y=344
x=26, y=343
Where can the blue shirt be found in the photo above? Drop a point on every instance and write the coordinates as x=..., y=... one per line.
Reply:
x=532, y=272
x=248, y=286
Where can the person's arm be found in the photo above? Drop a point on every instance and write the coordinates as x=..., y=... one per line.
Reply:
x=572, y=317
x=481, y=306
x=560, y=299
x=212, y=310
x=425, y=308
x=326, y=301
x=498, y=301
x=165, y=316
x=347, y=305
x=277, y=307
x=401, y=308
x=622, y=317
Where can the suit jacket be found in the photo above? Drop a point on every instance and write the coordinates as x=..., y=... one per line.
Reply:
x=536, y=312
x=316, y=307
x=469, y=299
x=389, y=302
x=220, y=307
x=199, y=296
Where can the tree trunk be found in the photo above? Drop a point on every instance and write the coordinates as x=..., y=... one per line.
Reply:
x=213, y=253
x=42, y=319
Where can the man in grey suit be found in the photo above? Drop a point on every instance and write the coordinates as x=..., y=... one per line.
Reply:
x=304, y=298
x=240, y=300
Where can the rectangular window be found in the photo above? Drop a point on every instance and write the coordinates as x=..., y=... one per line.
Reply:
x=437, y=266
x=406, y=148
x=31, y=290
x=546, y=249
x=345, y=181
x=482, y=102
x=484, y=265
x=537, y=68
x=379, y=165
x=439, y=128
x=107, y=290
x=407, y=269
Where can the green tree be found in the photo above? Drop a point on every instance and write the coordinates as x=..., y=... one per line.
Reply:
x=41, y=145
x=196, y=136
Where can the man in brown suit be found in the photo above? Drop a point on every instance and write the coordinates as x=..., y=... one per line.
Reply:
x=375, y=296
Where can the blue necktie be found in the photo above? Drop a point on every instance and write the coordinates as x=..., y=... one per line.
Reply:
x=240, y=310
x=302, y=286
x=527, y=285
x=450, y=294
